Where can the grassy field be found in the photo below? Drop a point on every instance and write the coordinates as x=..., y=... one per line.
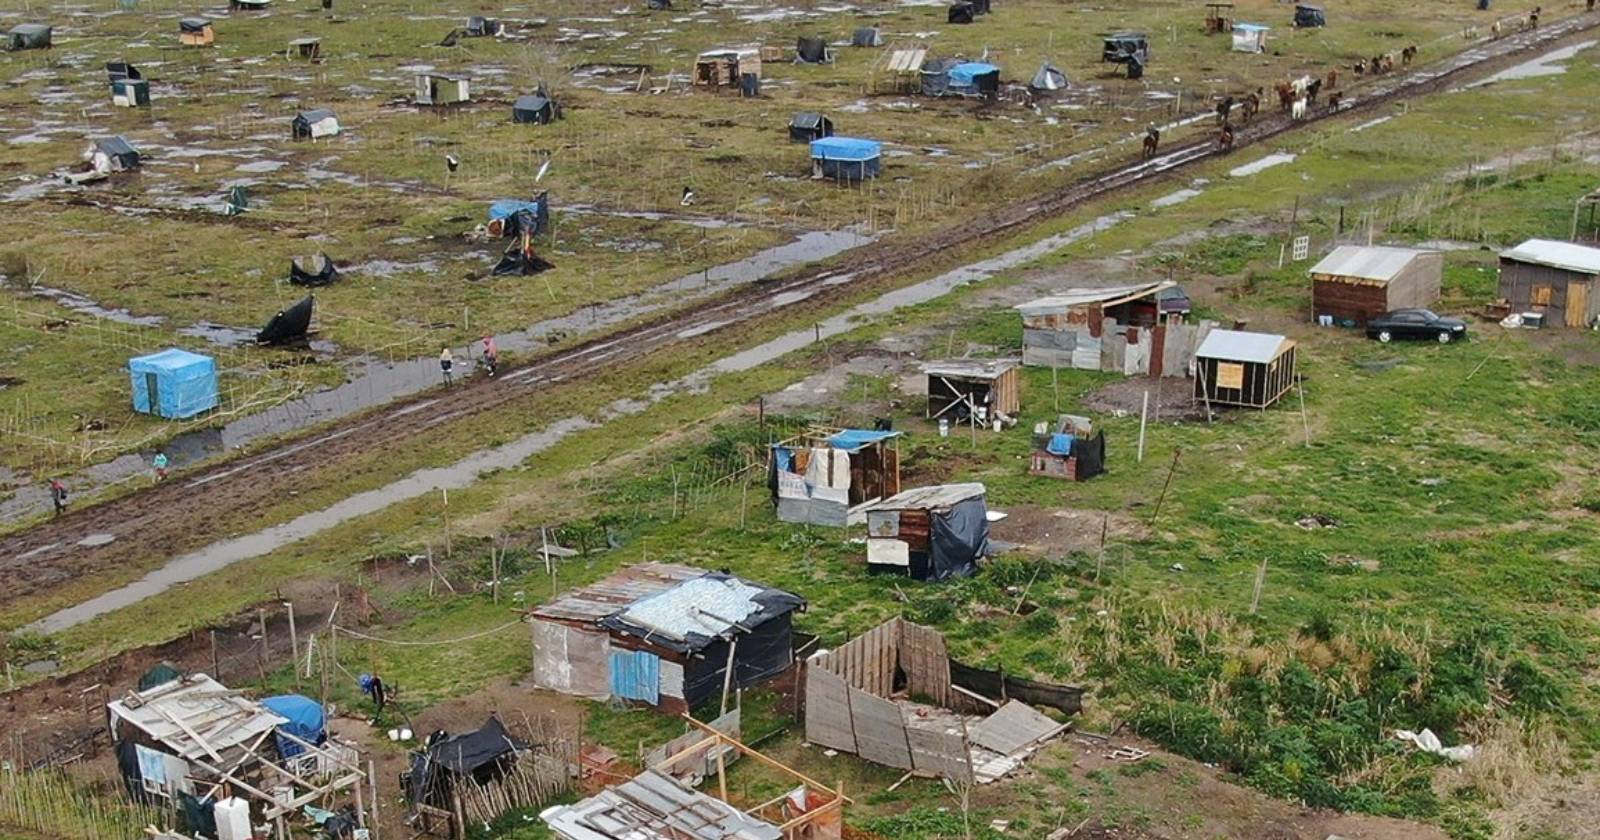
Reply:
x=378, y=197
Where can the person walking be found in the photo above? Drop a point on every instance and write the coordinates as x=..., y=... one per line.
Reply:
x=58, y=495
x=160, y=464
x=446, y=362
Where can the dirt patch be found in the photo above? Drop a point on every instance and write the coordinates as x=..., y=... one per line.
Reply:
x=1061, y=530
x=1171, y=400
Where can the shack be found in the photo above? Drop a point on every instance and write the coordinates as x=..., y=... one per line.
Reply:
x=655, y=805
x=821, y=476
x=440, y=773
x=479, y=26
x=1118, y=329
x=1071, y=449
x=1130, y=49
x=846, y=158
x=899, y=70
x=894, y=696
x=963, y=11
x=929, y=533
x=173, y=383
x=1354, y=284
x=1250, y=38
x=309, y=49
x=187, y=739
x=809, y=125
x=130, y=92
x=314, y=124
x=973, y=78
x=195, y=32
x=289, y=326
x=112, y=154
x=118, y=70
x=812, y=51
x=973, y=390
x=664, y=636
x=1309, y=16
x=28, y=36
x=535, y=108
x=867, y=36
x=726, y=66
x=1247, y=369
x=1556, y=279
x=1219, y=17
x=1047, y=80
x=443, y=88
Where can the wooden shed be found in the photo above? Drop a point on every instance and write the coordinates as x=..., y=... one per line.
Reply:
x=929, y=533
x=1354, y=284
x=195, y=32
x=1556, y=279
x=973, y=388
x=1120, y=329
x=443, y=89
x=1243, y=368
x=723, y=67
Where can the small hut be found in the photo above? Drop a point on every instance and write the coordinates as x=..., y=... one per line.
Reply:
x=726, y=66
x=812, y=51
x=1247, y=369
x=820, y=476
x=534, y=108
x=28, y=36
x=112, y=154
x=309, y=49
x=1131, y=49
x=1249, y=38
x=867, y=36
x=809, y=125
x=442, y=772
x=173, y=383
x=973, y=78
x=482, y=27
x=195, y=32
x=130, y=93
x=846, y=158
x=929, y=533
x=314, y=124
x=443, y=89
x=971, y=390
x=118, y=70
x=1071, y=449
x=1354, y=284
x=1048, y=79
x=1558, y=280
x=248, y=5
x=1219, y=17
x=964, y=11
x=1309, y=16
x=1119, y=329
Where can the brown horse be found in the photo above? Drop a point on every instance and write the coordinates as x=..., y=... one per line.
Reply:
x=1285, y=96
x=1333, y=78
x=1152, y=139
x=1407, y=54
x=1335, y=99
x=1225, y=138
x=1248, y=109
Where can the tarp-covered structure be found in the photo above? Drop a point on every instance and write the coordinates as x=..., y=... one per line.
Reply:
x=29, y=36
x=1071, y=449
x=321, y=272
x=535, y=108
x=867, y=36
x=810, y=50
x=1117, y=329
x=973, y=78
x=1309, y=15
x=663, y=635
x=195, y=32
x=820, y=476
x=481, y=756
x=929, y=533
x=304, y=722
x=962, y=723
x=290, y=325
x=112, y=154
x=809, y=125
x=479, y=26
x=520, y=221
x=1131, y=49
x=1250, y=38
x=963, y=11
x=314, y=124
x=130, y=93
x=846, y=158
x=174, y=383
x=1048, y=79
x=122, y=69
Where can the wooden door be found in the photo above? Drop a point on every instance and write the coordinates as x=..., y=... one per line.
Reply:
x=1577, y=303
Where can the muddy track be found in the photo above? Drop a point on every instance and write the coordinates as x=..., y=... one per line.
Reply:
x=174, y=517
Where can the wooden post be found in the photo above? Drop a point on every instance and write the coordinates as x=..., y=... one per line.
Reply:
x=1261, y=580
x=1144, y=417
x=361, y=806
x=294, y=644
x=372, y=782
x=1304, y=421
x=432, y=575
x=1168, y=483
x=744, y=501
x=1055, y=387
x=446, y=496
x=214, y=669
x=727, y=674
x=494, y=568
x=1100, y=559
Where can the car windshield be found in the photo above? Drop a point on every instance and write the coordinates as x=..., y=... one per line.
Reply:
x=1426, y=315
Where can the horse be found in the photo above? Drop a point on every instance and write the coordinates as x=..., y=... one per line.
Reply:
x=1407, y=54
x=1333, y=78
x=1360, y=68
x=1298, y=111
x=1225, y=138
x=1388, y=64
x=1152, y=139
x=1252, y=104
x=1335, y=99
x=1313, y=89
x=1224, y=108
x=1495, y=31
x=1285, y=96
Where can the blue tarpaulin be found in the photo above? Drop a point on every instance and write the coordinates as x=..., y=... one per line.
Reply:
x=636, y=675
x=1060, y=444
x=306, y=722
x=845, y=148
x=173, y=383
x=852, y=440
x=966, y=73
x=507, y=207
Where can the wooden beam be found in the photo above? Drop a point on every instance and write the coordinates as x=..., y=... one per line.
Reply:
x=770, y=762
x=974, y=695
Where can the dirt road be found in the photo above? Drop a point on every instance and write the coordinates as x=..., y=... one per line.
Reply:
x=137, y=530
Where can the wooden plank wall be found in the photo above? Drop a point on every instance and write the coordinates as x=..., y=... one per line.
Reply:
x=880, y=729
x=926, y=661
x=868, y=661
x=828, y=710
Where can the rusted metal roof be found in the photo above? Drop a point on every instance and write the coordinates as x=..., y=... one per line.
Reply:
x=1105, y=296
x=607, y=597
x=970, y=368
x=928, y=498
x=652, y=806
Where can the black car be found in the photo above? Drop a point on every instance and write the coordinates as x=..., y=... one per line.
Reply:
x=1416, y=324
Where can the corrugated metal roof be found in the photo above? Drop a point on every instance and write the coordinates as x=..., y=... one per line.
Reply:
x=708, y=606
x=652, y=806
x=928, y=498
x=1376, y=262
x=1237, y=346
x=606, y=597
x=1563, y=255
x=1062, y=301
x=197, y=703
x=970, y=368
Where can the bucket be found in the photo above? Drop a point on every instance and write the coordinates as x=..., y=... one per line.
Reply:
x=944, y=427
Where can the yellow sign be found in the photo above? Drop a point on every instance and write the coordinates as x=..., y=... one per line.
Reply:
x=1230, y=375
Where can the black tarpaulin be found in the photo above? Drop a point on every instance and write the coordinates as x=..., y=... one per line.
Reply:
x=759, y=656
x=773, y=603
x=479, y=755
x=116, y=71
x=193, y=24
x=326, y=273
x=1091, y=455
x=997, y=685
x=957, y=538
x=811, y=50
x=962, y=13
x=534, y=108
x=520, y=260
x=1307, y=15
x=289, y=325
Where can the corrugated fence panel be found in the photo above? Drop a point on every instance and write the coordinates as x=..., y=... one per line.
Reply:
x=828, y=710
x=939, y=754
x=926, y=661
x=636, y=675
x=880, y=730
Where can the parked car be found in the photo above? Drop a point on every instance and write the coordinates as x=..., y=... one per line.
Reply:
x=1416, y=324
x=1173, y=300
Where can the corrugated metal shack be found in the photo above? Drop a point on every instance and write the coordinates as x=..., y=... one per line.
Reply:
x=724, y=66
x=1118, y=329
x=1072, y=450
x=973, y=388
x=820, y=476
x=929, y=533
x=1554, y=278
x=662, y=635
x=1243, y=368
x=858, y=700
x=1354, y=284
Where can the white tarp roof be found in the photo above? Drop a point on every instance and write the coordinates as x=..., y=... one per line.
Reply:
x=1237, y=346
x=174, y=713
x=708, y=606
x=1376, y=262
x=1564, y=255
x=651, y=806
x=1062, y=301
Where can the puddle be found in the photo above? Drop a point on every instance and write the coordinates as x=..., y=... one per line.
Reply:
x=1179, y=197
x=1552, y=63
x=1251, y=168
x=87, y=306
x=1370, y=123
x=219, y=334
x=261, y=166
